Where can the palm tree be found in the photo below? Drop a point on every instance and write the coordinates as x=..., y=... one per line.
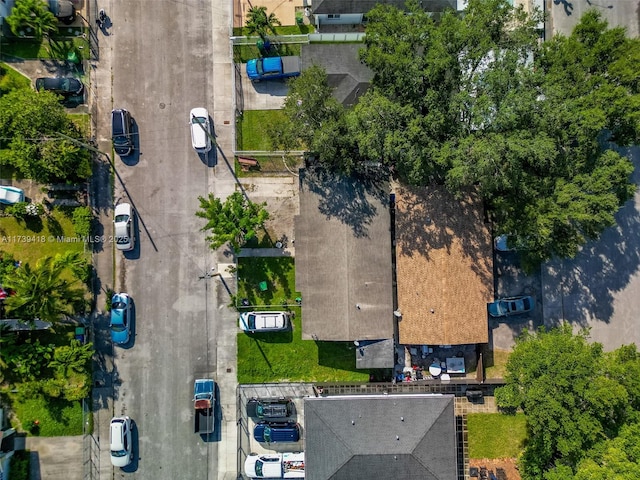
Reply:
x=33, y=14
x=71, y=359
x=45, y=291
x=259, y=22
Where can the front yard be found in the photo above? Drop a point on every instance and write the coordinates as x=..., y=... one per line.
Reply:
x=284, y=356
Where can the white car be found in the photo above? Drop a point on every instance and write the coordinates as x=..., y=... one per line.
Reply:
x=123, y=227
x=264, y=321
x=120, y=441
x=10, y=195
x=275, y=465
x=200, y=130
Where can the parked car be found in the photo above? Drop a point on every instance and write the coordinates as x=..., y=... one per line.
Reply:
x=121, y=123
x=10, y=195
x=269, y=408
x=505, y=307
x=200, y=130
x=120, y=441
x=63, y=10
x=509, y=243
x=123, y=227
x=273, y=432
x=60, y=85
x=120, y=324
x=264, y=321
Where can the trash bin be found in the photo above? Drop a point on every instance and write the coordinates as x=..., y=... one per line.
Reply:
x=263, y=286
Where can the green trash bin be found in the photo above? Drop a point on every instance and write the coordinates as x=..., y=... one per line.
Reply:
x=73, y=57
x=263, y=286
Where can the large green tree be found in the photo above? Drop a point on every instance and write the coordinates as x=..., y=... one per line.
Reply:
x=573, y=396
x=29, y=122
x=34, y=15
x=233, y=221
x=47, y=291
x=473, y=100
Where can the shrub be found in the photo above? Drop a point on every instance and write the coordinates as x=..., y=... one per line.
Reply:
x=34, y=209
x=18, y=210
x=19, y=466
x=82, y=221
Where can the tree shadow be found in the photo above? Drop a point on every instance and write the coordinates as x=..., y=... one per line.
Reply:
x=589, y=283
x=353, y=200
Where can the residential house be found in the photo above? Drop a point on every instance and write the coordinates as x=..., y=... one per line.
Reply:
x=343, y=258
x=400, y=437
x=444, y=265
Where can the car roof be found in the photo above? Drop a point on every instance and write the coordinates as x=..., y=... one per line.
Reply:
x=122, y=209
x=116, y=433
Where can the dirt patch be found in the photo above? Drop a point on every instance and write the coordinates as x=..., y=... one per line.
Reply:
x=501, y=468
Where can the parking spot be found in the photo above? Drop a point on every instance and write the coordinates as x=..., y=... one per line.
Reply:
x=266, y=95
x=510, y=281
x=295, y=391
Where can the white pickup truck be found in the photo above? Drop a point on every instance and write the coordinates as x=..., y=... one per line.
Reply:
x=275, y=465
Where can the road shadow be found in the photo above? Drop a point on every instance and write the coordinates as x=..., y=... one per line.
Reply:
x=103, y=366
x=134, y=157
x=135, y=449
x=34, y=466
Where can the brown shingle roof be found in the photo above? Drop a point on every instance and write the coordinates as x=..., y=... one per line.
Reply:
x=444, y=263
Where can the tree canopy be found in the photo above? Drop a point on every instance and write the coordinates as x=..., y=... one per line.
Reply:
x=29, y=122
x=475, y=101
x=580, y=403
x=47, y=291
x=233, y=221
x=34, y=15
x=259, y=22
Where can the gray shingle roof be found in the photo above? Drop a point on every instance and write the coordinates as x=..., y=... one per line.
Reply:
x=404, y=437
x=343, y=258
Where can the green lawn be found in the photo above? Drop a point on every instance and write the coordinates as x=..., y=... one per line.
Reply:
x=57, y=47
x=495, y=435
x=36, y=239
x=278, y=357
x=497, y=363
x=281, y=30
x=57, y=417
x=83, y=122
x=251, y=130
x=12, y=78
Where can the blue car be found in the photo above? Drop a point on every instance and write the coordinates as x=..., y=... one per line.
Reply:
x=120, y=325
x=505, y=307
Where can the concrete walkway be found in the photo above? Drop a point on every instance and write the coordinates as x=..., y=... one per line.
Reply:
x=55, y=458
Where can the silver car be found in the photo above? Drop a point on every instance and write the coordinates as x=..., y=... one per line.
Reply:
x=123, y=227
x=505, y=307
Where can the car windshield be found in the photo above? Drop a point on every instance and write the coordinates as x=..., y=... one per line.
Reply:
x=267, y=434
x=122, y=240
x=120, y=140
x=118, y=305
x=198, y=120
x=259, y=67
x=122, y=218
x=251, y=322
x=118, y=328
x=118, y=453
x=258, y=468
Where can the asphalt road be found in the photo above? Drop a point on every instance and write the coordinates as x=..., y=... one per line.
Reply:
x=161, y=67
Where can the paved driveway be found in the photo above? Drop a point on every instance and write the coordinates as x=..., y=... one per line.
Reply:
x=565, y=14
x=600, y=288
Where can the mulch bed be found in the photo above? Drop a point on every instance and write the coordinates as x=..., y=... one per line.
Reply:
x=502, y=468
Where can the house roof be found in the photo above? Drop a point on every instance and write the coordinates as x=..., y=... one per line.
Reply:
x=343, y=258
x=321, y=7
x=404, y=437
x=444, y=263
x=375, y=354
x=346, y=74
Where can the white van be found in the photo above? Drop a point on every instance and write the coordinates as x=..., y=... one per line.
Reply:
x=200, y=130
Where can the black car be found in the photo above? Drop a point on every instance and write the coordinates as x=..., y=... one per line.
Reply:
x=63, y=10
x=121, y=123
x=61, y=85
x=269, y=408
x=270, y=432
